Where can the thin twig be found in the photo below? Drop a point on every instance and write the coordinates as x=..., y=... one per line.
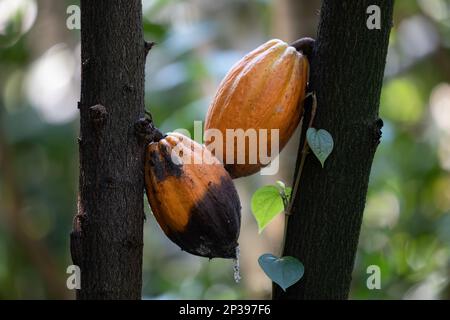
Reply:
x=305, y=151
x=286, y=220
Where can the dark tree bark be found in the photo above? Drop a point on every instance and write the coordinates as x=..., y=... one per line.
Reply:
x=107, y=239
x=346, y=73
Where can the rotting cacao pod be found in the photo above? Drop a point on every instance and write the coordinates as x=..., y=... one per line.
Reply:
x=192, y=197
x=264, y=90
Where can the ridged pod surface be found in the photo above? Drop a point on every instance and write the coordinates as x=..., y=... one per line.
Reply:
x=264, y=90
x=192, y=197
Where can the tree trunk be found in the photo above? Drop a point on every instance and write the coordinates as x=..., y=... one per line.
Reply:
x=346, y=74
x=107, y=239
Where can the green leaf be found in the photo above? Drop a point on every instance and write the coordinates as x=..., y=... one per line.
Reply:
x=284, y=271
x=320, y=142
x=266, y=204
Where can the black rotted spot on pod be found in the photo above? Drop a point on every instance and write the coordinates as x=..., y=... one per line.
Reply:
x=164, y=166
x=213, y=228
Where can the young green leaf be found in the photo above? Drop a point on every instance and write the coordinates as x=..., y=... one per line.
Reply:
x=284, y=271
x=266, y=204
x=320, y=142
x=281, y=185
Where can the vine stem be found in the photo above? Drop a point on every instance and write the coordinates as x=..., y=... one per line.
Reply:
x=305, y=151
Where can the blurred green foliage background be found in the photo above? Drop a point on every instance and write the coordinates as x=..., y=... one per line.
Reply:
x=406, y=229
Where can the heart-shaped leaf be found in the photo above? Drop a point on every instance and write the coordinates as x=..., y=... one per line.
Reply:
x=284, y=271
x=321, y=143
x=266, y=204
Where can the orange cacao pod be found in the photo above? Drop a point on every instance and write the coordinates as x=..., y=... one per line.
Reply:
x=264, y=90
x=192, y=197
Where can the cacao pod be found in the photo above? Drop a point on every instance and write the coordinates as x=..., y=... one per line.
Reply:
x=192, y=197
x=264, y=90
